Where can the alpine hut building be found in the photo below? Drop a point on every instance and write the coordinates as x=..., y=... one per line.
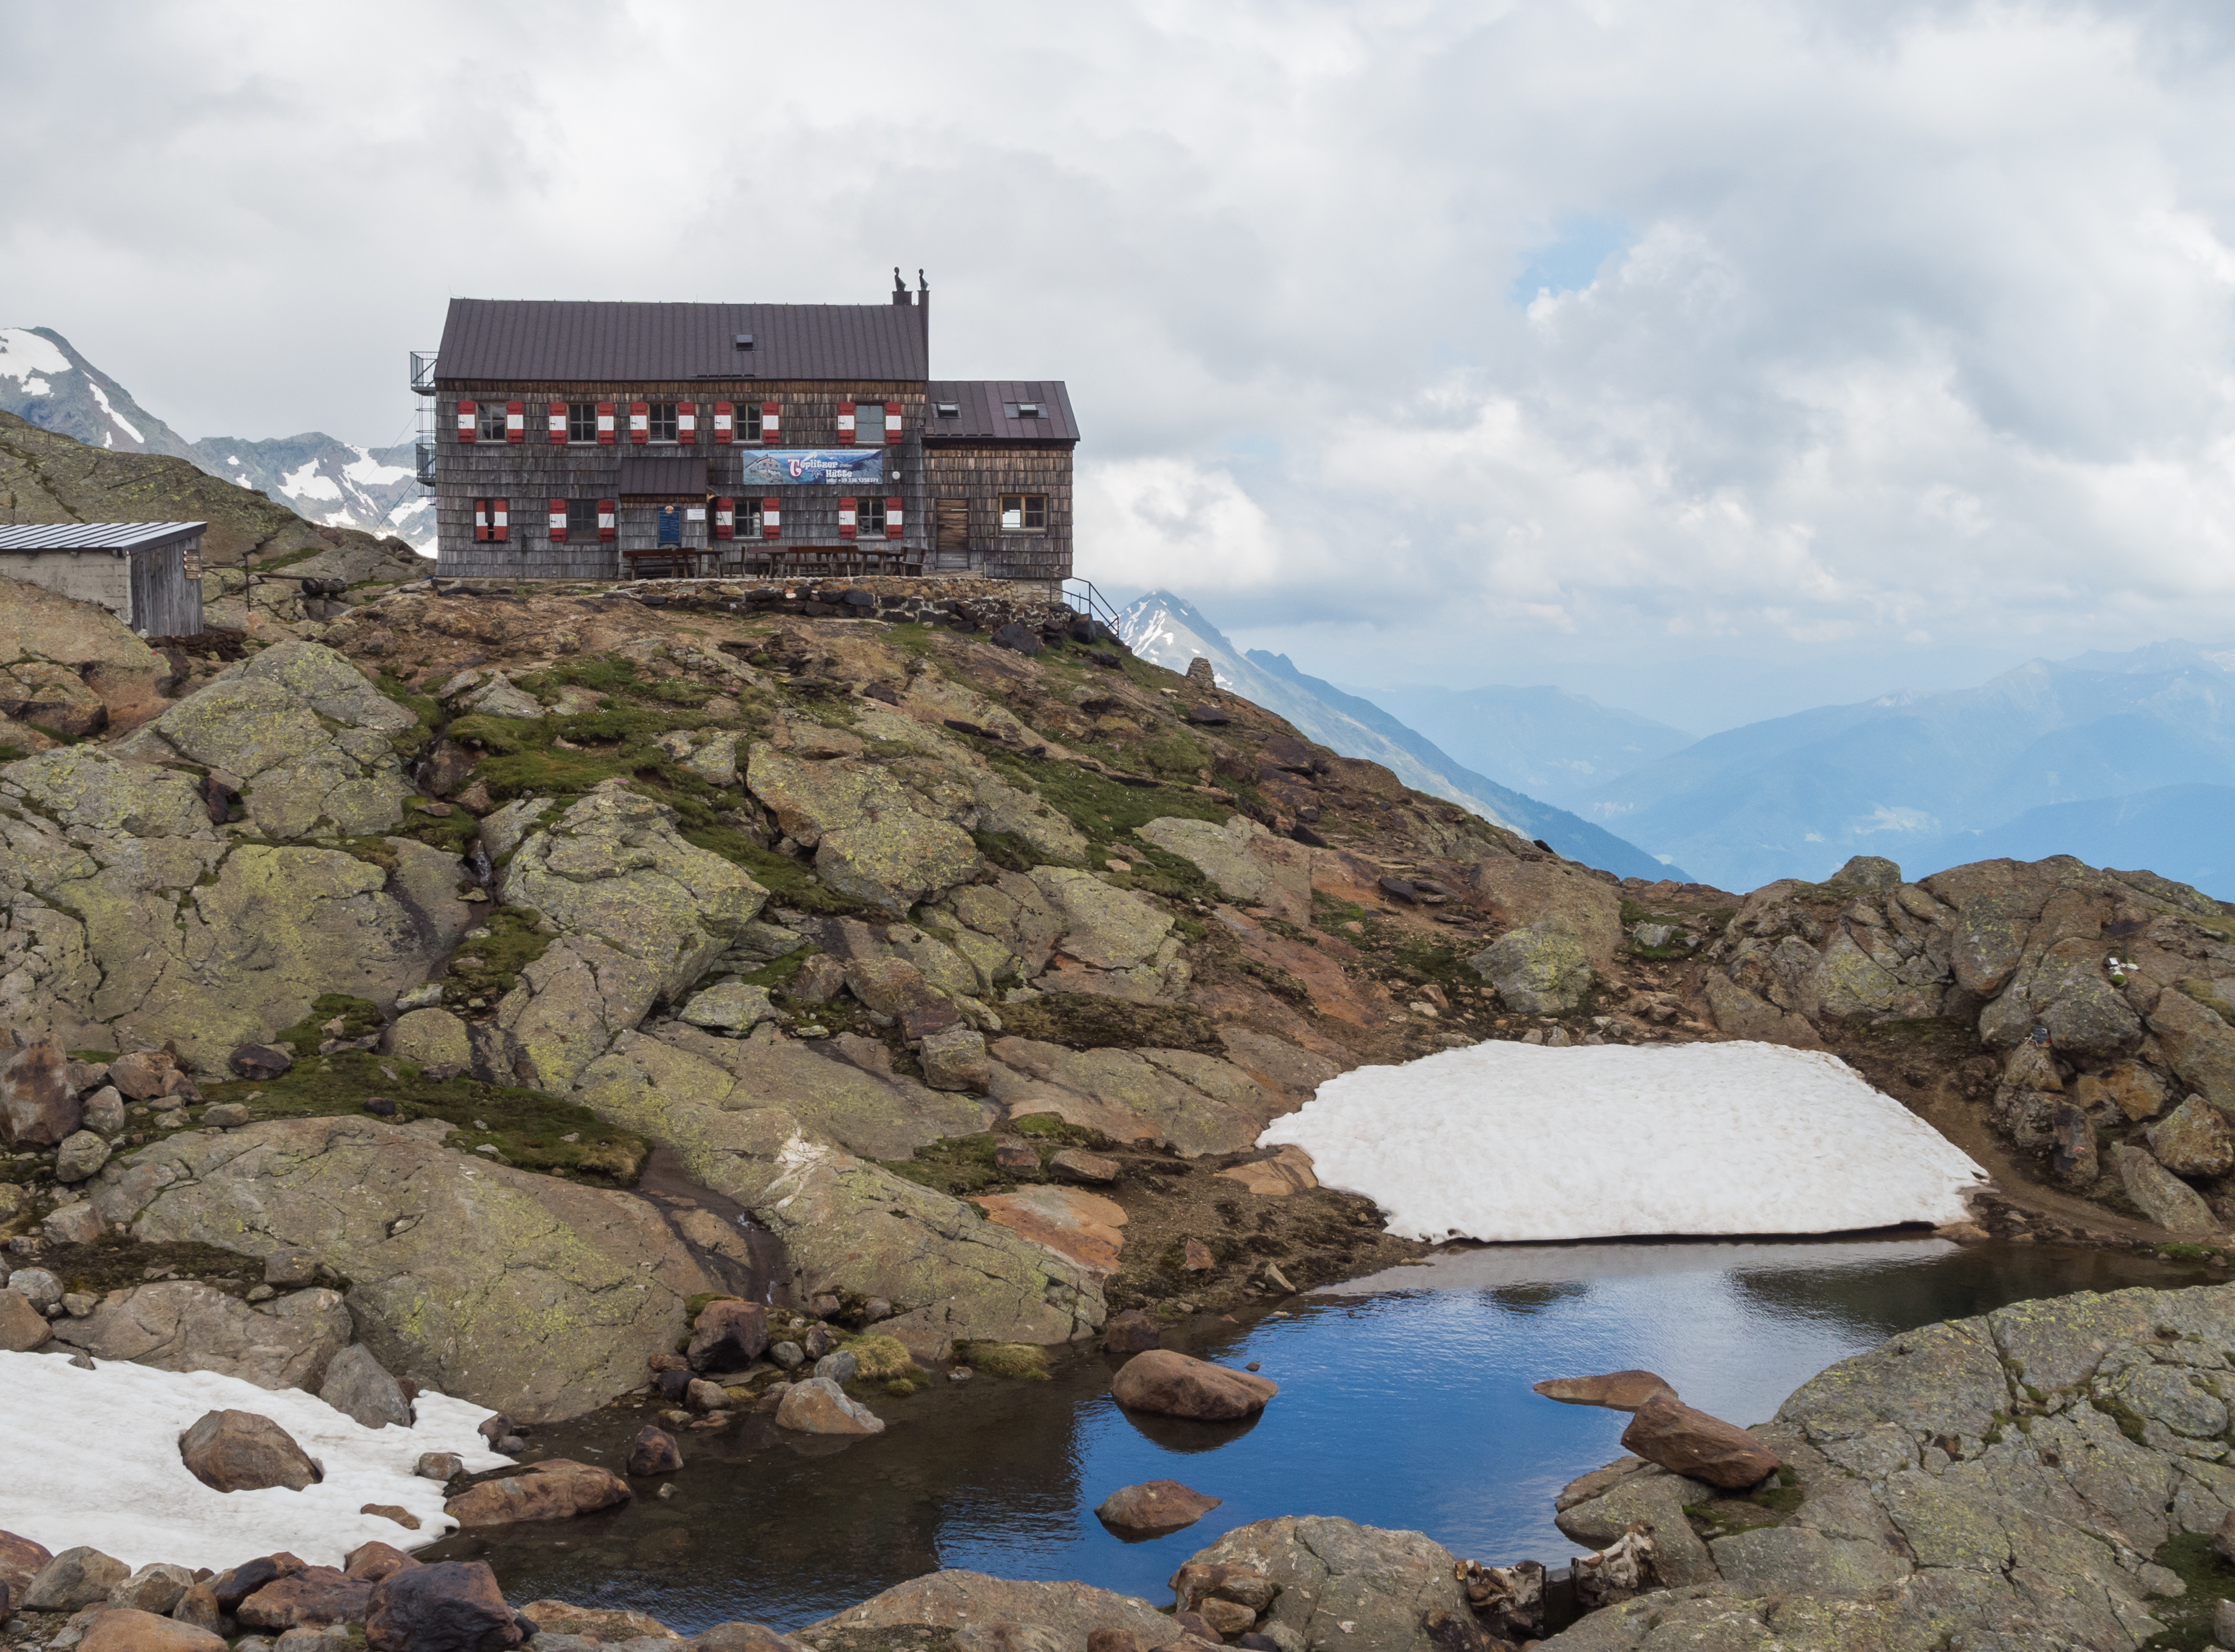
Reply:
x=594, y=440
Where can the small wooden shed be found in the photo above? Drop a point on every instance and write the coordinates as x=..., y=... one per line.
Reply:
x=148, y=574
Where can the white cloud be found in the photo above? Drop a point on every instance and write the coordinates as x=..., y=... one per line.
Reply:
x=1173, y=522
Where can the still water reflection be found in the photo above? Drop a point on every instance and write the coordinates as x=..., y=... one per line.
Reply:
x=1404, y=1401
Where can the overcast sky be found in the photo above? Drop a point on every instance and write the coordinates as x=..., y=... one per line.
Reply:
x=1712, y=359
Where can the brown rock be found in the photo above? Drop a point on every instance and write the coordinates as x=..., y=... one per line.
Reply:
x=239, y=1451
x=1153, y=1509
x=1174, y=1386
x=377, y=1561
x=263, y=1061
x=1289, y=1170
x=742, y=1638
x=653, y=1452
x=1131, y=1332
x=395, y=1512
x=1196, y=1256
x=703, y=1396
x=452, y=1606
x=73, y=1580
x=555, y=1489
x=1228, y=1618
x=22, y=1328
x=1017, y=1158
x=199, y=1607
x=1615, y=1391
x=601, y=1624
x=1076, y=1164
x=2193, y=1140
x=38, y=1107
x=122, y=1629
x=2223, y=1540
x=143, y=1074
x=233, y=1587
x=2135, y=1090
x=729, y=1337
x=156, y=1588
x=1069, y=1221
x=1691, y=1443
x=21, y=1559
x=314, y=1594
x=1113, y=1640
x=1200, y=1581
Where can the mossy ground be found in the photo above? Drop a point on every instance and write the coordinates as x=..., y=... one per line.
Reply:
x=2210, y=1580
x=1019, y=1361
x=488, y=960
x=117, y=1260
x=529, y=1129
x=1086, y=1020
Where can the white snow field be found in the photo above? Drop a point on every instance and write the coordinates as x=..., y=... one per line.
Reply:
x=92, y=1457
x=1503, y=1141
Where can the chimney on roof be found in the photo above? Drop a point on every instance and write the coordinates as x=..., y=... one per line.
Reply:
x=900, y=287
x=923, y=316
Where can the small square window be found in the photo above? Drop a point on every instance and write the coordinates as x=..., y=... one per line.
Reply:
x=750, y=417
x=1024, y=512
x=948, y=409
x=663, y=421
x=870, y=515
x=582, y=513
x=1023, y=410
x=581, y=426
x=492, y=421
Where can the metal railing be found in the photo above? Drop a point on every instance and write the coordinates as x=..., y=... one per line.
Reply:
x=1086, y=599
x=423, y=371
x=423, y=440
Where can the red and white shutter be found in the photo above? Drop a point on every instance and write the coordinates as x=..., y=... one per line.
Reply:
x=846, y=519
x=725, y=518
x=607, y=522
x=557, y=415
x=497, y=529
x=516, y=422
x=468, y=421
x=770, y=413
x=687, y=423
x=892, y=421
x=639, y=422
x=726, y=423
x=845, y=424
x=481, y=520
x=606, y=423
x=771, y=519
x=558, y=521
x=892, y=518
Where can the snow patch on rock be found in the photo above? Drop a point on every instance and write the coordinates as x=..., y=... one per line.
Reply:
x=305, y=483
x=24, y=355
x=1505, y=1141
x=92, y=1457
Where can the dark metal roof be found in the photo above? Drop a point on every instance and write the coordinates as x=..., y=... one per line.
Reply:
x=677, y=474
x=982, y=411
x=625, y=343
x=95, y=535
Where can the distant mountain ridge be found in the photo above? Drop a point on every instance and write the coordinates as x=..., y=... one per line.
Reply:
x=45, y=380
x=1928, y=777
x=1168, y=630
x=1543, y=740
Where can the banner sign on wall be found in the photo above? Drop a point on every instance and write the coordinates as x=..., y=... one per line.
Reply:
x=802, y=466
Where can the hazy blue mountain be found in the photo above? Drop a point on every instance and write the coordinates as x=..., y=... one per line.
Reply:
x=1543, y=740
x=1168, y=631
x=1912, y=775
x=2184, y=832
x=44, y=379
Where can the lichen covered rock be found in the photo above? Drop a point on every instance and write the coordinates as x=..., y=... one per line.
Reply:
x=1540, y=970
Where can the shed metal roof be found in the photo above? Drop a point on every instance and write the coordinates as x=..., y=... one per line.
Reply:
x=94, y=536
x=625, y=343
x=676, y=474
x=982, y=411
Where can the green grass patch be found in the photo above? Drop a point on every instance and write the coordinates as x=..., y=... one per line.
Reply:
x=116, y=1260
x=879, y=1359
x=12, y=753
x=1158, y=871
x=528, y=1127
x=1084, y=1020
x=1173, y=753
x=1055, y=1130
x=789, y=882
x=1020, y=1361
x=956, y=1165
x=358, y=1016
x=453, y=834
x=515, y=939
x=1423, y=958
x=2210, y=1580
x=1103, y=810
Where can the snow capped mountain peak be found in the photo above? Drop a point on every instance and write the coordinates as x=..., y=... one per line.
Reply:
x=31, y=361
x=1167, y=630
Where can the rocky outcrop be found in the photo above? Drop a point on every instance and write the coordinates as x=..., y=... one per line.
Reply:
x=1067, y=1613
x=847, y=1224
x=1175, y=1385
x=873, y=837
x=558, y=1488
x=1543, y=970
x=1332, y=1583
x=1153, y=1509
x=509, y=1289
x=2001, y=1480
x=72, y=668
x=239, y=1451
x=1249, y=865
x=179, y=1325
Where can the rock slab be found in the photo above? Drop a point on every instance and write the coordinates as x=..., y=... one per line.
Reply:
x=239, y=1451
x=1174, y=1384
x=1153, y=1508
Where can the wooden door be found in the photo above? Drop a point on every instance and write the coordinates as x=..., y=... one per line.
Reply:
x=954, y=524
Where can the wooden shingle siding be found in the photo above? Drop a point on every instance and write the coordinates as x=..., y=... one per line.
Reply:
x=979, y=475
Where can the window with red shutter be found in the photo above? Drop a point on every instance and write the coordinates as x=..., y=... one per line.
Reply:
x=481, y=520
x=770, y=413
x=639, y=421
x=892, y=421
x=687, y=423
x=516, y=422
x=892, y=518
x=725, y=518
x=845, y=424
x=607, y=527
x=469, y=422
x=558, y=508
x=770, y=518
x=606, y=423
x=497, y=516
x=846, y=519
x=556, y=413
x=725, y=423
